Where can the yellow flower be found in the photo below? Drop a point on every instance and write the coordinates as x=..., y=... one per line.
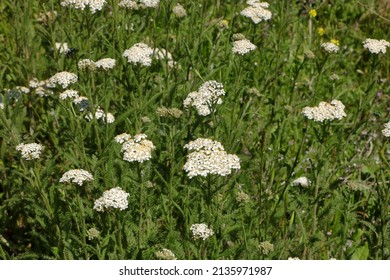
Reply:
x=313, y=13
x=320, y=31
x=336, y=42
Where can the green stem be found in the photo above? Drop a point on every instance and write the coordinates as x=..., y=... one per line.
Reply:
x=140, y=207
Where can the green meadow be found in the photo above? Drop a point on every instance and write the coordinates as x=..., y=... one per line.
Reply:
x=213, y=130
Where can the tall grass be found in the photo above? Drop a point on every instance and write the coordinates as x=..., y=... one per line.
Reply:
x=343, y=214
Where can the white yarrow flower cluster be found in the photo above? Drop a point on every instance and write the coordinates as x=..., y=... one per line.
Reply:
x=78, y=176
x=41, y=88
x=208, y=94
x=209, y=157
x=386, y=130
x=179, y=11
x=101, y=115
x=243, y=46
x=137, y=4
x=30, y=151
x=122, y=138
x=325, y=111
x=330, y=47
x=114, y=198
x=105, y=63
x=136, y=148
x=201, y=231
x=165, y=254
x=140, y=53
x=257, y=11
x=69, y=94
x=94, y=5
x=376, y=46
x=63, y=79
x=301, y=181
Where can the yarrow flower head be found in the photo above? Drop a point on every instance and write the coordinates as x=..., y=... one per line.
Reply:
x=122, y=138
x=63, y=79
x=138, y=4
x=209, y=157
x=94, y=5
x=93, y=233
x=325, y=111
x=208, y=94
x=386, y=130
x=266, y=247
x=330, y=47
x=105, y=63
x=165, y=254
x=78, y=176
x=140, y=53
x=136, y=148
x=257, y=11
x=100, y=114
x=179, y=11
x=201, y=231
x=243, y=46
x=30, y=151
x=301, y=181
x=41, y=88
x=114, y=198
x=376, y=46
x=69, y=94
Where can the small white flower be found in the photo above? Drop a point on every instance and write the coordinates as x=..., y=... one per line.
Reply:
x=94, y=5
x=114, y=198
x=64, y=79
x=30, y=151
x=136, y=149
x=376, y=46
x=257, y=11
x=209, y=157
x=140, y=53
x=330, y=47
x=165, y=254
x=201, y=231
x=243, y=46
x=179, y=11
x=325, y=111
x=105, y=63
x=69, y=94
x=386, y=130
x=78, y=176
x=205, y=98
x=122, y=138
